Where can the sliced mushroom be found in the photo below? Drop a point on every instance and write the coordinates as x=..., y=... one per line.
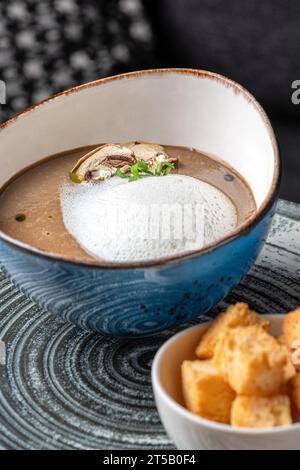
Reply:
x=102, y=162
x=144, y=151
x=101, y=173
x=163, y=157
x=153, y=154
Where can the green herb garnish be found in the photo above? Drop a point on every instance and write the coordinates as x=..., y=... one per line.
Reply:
x=121, y=174
x=141, y=170
x=20, y=217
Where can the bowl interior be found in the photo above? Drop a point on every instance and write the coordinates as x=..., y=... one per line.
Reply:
x=167, y=364
x=178, y=107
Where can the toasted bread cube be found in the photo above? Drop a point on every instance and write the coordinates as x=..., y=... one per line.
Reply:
x=291, y=332
x=251, y=361
x=261, y=412
x=291, y=328
x=236, y=315
x=290, y=371
x=294, y=392
x=205, y=392
x=280, y=339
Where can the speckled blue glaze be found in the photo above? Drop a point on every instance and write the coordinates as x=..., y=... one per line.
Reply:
x=195, y=108
x=140, y=301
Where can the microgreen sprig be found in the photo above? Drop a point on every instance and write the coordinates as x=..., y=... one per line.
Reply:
x=141, y=170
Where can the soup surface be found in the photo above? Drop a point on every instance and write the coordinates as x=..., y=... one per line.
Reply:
x=30, y=208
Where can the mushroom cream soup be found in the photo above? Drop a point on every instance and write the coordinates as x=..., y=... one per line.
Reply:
x=127, y=208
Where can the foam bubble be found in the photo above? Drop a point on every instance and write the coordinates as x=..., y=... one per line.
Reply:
x=147, y=219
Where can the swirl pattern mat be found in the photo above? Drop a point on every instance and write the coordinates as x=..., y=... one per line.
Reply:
x=62, y=388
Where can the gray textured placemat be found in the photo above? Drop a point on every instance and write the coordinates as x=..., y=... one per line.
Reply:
x=62, y=388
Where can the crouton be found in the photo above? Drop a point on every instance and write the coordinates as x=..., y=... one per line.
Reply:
x=291, y=333
x=280, y=339
x=251, y=361
x=205, y=392
x=236, y=315
x=294, y=392
x=261, y=412
x=291, y=328
x=289, y=370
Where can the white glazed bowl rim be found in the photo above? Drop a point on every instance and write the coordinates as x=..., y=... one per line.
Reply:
x=188, y=415
x=240, y=230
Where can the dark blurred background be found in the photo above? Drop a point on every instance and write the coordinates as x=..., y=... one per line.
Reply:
x=47, y=46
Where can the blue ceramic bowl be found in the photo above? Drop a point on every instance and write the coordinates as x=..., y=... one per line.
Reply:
x=172, y=106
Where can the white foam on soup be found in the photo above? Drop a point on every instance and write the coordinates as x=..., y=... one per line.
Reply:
x=146, y=219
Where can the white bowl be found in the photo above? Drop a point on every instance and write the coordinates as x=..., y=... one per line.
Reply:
x=191, y=432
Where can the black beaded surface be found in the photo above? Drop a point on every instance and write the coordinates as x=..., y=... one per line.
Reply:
x=47, y=46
